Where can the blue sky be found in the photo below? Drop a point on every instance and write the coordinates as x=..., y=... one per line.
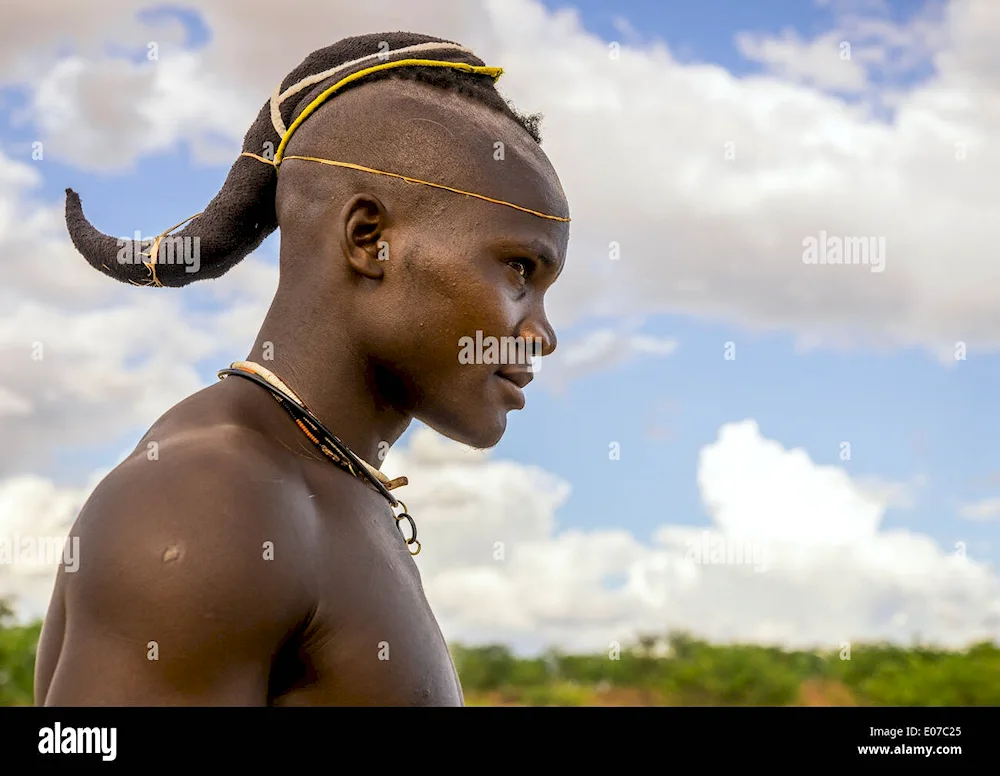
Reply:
x=905, y=414
x=879, y=402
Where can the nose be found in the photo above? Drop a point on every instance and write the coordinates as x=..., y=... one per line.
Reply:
x=537, y=329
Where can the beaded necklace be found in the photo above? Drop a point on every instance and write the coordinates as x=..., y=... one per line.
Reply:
x=335, y=450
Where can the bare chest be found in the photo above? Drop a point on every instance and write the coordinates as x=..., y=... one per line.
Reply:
x=373, y=640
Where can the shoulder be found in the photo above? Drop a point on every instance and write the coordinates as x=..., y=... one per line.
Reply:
x=220, y=481
x=201, y=516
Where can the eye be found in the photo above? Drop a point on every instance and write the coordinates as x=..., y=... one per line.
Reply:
x=523, y=267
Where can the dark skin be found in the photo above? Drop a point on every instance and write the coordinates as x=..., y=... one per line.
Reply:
x=173, y=549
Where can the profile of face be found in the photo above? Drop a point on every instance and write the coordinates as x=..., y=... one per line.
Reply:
x=464, y=311
x=431, y=290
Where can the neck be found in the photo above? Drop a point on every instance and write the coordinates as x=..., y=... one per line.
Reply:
x=339, y=386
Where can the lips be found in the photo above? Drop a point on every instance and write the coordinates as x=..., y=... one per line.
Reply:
x=520, y=377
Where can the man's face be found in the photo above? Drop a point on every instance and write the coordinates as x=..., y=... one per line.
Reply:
x=468, y=299
x=456, y=297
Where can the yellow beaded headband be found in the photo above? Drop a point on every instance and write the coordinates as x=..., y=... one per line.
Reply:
x=279, y=156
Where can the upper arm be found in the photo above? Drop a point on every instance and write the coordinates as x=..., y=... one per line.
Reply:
x=176, y=599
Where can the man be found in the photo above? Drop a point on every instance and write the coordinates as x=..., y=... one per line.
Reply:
x=256, y=560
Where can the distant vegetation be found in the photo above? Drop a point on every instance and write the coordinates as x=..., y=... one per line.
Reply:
x=696, y=673
x=673, y=670
x=17, y=660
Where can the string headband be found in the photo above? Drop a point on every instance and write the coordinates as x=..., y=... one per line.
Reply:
x=326, y=94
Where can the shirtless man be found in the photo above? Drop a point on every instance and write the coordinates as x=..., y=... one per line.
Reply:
x=177, y=599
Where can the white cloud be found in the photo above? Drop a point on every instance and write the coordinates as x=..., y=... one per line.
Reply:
x=737, y=478
x=707, y=235
x=13, y=404
x=37, y=257
x=719, y=237
x=897, y=495
x=818, y=62
x=864, y=42
x=599, y=351
x=828, y=573
x=794, y=554
x=34, y=512
x=104, y=115
x=36, y=32
x=89, y=357
x=987, y=509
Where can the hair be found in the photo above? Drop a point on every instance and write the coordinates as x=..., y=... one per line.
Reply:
x=242, y=215
x=479, y=88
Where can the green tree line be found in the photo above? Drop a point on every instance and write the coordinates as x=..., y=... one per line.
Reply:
x=678, y=669
x=17, y=659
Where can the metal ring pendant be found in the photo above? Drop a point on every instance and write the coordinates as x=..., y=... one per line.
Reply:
x=412, y=541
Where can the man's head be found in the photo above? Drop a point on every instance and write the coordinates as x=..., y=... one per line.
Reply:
x=412, y=277
x=432, y=291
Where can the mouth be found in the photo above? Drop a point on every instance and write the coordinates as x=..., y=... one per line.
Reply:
x=513, y=383
x=519, y=377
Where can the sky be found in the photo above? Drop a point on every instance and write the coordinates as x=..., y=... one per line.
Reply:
x=728, y=440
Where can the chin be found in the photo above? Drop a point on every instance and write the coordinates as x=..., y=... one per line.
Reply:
x=479, y=433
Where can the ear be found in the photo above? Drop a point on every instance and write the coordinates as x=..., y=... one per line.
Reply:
x=364, y=220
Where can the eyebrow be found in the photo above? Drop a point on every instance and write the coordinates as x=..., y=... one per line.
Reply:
x=536, y=248
x=547, y=260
